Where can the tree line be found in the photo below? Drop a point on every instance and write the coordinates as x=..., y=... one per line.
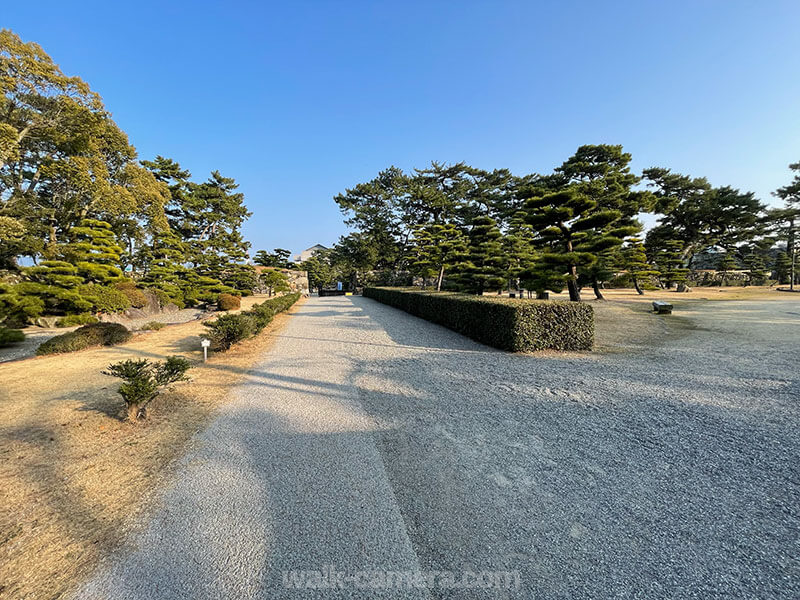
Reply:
x=579, y=226
x=80, y=215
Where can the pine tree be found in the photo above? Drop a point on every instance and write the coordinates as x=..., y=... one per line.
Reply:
x=518, y=250
x=564, y=221
x=782, y=267
x=435, y=249
x=274, y=281
x=93, y=249
x=727, y=263
x=481, y=265
x=52, y=287
x=636, y=263
x=758, y=268
x=669, y=262
x=602, y=173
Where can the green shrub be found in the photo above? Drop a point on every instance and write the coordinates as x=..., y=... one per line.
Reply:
x=95, y=334
x=227, y=330
x=9, y=337
x=229, y=302
x=81, y=319
x=509, y=324
x=164, y=298
x=152, y=326
x=103, y=298
x=144, y=380
x=135, y=296
x=265, y=311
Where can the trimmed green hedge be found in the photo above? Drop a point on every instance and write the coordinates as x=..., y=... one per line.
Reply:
x=505, y=323
x=95, y=334
x=229, y=329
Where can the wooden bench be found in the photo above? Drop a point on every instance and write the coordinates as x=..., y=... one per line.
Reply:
x=662, y=308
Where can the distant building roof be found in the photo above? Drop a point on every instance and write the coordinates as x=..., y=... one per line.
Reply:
x=309, y=252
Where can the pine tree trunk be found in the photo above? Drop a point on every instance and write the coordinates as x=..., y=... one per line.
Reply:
x=439, y=279
x=636, y=287
x=574, y=292
x=596, y=287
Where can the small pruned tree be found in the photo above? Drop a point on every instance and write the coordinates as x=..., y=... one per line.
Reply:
x=726, y=264
x=669, y=262
x=143, y=380
x=634, y=259
x=481, y=266
x=274, y=282
x=758, y=268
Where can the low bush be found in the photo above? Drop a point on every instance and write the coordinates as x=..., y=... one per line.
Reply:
x=152, y=326
x=95, y=334
x=229, y=302
x=9, y=337
x=509, y=324
x=81, y=319
x=143, y=380
x=227, y=330
x=135, y=296
x=103, y=298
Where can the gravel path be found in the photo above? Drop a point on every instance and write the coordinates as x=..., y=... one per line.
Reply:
x=368, y=439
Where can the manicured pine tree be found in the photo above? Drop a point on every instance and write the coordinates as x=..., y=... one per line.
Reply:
x=435, y=249
x=564, y=221
x=279, y=257
x=635, y=261
x=481, y=266
x=602, y=173
x=274, y=281
x=782, y=267
x=727, y=263
x=51, y=287
x=94, y=250
x=669, y=262
x=757, y=266
x=518, y=250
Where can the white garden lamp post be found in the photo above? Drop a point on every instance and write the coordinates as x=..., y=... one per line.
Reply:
x=205, y=344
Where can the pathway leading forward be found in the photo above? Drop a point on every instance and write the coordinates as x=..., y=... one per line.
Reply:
x=370, y=441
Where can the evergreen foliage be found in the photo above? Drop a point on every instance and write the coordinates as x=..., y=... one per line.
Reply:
x=144, y=380
x=10, y=337
x=95, y=334
x=480, y=267
x=726, y=263
x=435, y=249
x=634, y=260
x=669, y=262
x=519, y=326
x=228, y=302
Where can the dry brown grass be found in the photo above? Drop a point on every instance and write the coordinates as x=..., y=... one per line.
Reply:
x=625, y=321
x=72, y=473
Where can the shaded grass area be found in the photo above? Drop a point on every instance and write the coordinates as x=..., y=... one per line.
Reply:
x=72, y=473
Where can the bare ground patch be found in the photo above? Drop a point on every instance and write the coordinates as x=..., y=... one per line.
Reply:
x=72, y=474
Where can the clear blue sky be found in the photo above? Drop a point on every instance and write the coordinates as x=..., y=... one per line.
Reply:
x=299, y=100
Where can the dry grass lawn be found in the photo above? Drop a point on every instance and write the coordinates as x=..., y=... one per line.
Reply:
x=72, y=473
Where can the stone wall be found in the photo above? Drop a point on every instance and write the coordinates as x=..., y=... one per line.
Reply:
x=298, y=280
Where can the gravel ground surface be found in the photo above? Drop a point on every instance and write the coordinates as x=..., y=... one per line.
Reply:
x=370, y=439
